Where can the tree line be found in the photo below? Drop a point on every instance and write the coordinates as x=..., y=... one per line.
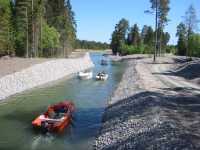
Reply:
x=188, y=39
x=37, y=28
x=129, y=40
x=92, y=45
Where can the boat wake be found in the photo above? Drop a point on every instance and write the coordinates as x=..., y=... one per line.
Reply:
x=41, y=140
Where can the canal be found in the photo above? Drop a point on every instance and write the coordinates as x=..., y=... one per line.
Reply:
x=89, y=96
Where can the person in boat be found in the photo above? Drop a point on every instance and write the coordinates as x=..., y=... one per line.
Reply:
x=54, y=111
x=50, y=113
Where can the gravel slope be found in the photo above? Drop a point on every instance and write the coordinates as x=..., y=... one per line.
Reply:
x=42, y=73
x=148, y=112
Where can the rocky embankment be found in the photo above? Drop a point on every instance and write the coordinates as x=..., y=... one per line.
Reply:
x=42, y=73
x=151, y=110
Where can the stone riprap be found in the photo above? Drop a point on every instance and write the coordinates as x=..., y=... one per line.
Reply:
x=148, y=111
x=43, y=73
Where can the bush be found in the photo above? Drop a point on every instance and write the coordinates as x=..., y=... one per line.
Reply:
x=130, y=49
x=171, y=49
x=194, y=45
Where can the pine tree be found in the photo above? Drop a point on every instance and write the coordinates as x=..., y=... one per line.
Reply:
x=161, y=8
x=134, y=36
x=149, y=37
x=191, y=23
x=149, y=40
x=182, y=39
x=144, y=32
x=59, y=14
x=119, y=35
x=6, y=30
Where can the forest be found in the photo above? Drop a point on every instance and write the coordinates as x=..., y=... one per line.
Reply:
x=37, y=28
x=47, y=28
x=92, y=45
x=128, y=39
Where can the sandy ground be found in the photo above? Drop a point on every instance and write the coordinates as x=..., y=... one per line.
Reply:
x=156, y=106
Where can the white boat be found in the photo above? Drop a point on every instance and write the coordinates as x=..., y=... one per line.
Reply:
x=85, y=75
x=101, y=76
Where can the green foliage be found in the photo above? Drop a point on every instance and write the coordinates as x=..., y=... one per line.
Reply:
x=32, y=26
x=182, y=39
x=119, y=35
x=50, y=38
x=131, y=49
x=194, y=45
x=92, y=45
x=6, y=28
x=134, y=36
x=60, y=16
x=148, y=38
x=50, y=41
x=171, y=49
x=135, y=42
x=163, y=9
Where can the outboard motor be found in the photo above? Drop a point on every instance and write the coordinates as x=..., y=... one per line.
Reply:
x=44, y=127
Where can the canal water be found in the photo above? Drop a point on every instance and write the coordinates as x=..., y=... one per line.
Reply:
x=89, y=96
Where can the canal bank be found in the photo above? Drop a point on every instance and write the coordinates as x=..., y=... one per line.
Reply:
x=40, y=74
x=152, y=108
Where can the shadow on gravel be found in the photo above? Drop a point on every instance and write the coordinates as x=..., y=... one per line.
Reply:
x=150, y=120
x=188, y=71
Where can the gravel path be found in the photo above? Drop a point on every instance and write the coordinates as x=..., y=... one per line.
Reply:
x=148, y=111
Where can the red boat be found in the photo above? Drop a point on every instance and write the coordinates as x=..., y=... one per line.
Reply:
x=56, y=118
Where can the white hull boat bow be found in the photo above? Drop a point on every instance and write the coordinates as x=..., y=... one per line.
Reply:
x=85, y=75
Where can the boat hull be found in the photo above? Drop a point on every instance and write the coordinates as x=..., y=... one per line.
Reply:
x=105, y=77
x=85, y=76
x=47, y=124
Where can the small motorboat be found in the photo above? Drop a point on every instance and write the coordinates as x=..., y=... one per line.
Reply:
x=102, y=76
x=56, y=118
x=104, y=62
x=85, y=75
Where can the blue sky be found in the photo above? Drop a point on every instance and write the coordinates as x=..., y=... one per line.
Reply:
x=96, y=19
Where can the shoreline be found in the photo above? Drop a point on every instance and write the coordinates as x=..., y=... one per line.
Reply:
x=151, y=108
x=42, y=73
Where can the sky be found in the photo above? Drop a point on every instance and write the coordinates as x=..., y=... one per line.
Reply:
x=96, y=19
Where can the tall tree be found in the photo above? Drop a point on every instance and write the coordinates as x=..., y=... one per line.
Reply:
x=6, y=27
x=161, y=8
x=27, y=14
x=191, y=23
x=134, y=36
x=119, y=35
x=182, y=39
x=194, y=45
x=144, y=32
x=60, y=15
x=165, y=39
x=149, y=39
